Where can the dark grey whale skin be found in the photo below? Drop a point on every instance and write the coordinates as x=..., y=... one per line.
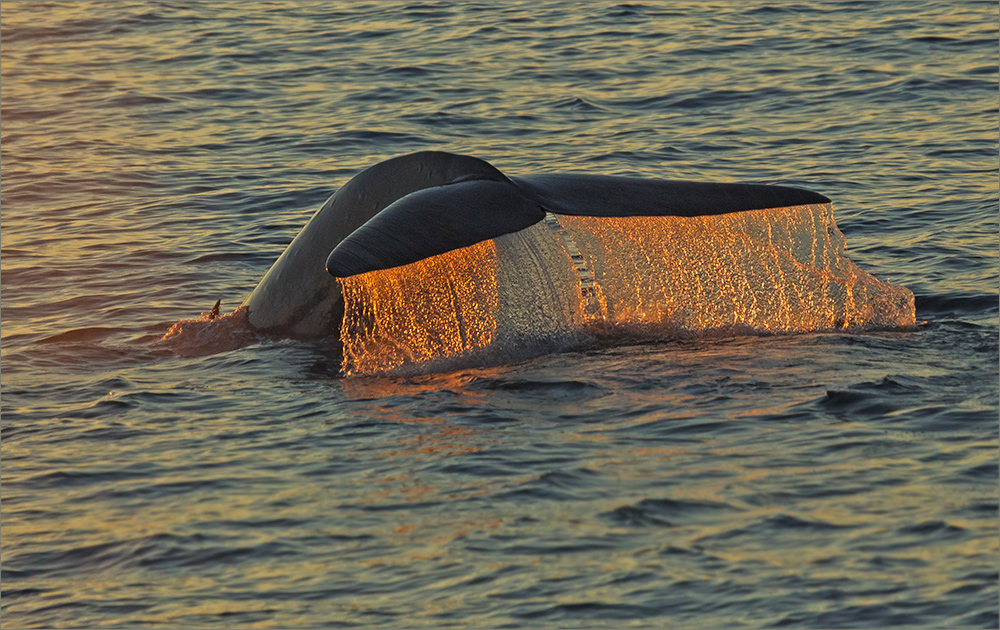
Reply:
x=297, y=297
x=484, y=203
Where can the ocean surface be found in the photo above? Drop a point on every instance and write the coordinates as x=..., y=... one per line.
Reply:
x=159, y=156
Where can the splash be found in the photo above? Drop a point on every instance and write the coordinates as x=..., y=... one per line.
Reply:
x=558, y=282
x=210, y=334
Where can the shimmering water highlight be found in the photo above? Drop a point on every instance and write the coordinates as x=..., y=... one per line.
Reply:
x=159, y=156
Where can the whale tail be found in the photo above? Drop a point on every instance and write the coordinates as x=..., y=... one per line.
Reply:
x=483, y=203
x=296, y=296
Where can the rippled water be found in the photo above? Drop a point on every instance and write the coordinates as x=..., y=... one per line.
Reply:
x=159, y=156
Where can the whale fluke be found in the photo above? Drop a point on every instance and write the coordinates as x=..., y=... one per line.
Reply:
x=297, y=296
x=484, y=204
x=434, y=221
x=424, y=204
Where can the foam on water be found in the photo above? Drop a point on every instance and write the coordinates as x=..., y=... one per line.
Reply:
x=209, y=335
x=766, y=271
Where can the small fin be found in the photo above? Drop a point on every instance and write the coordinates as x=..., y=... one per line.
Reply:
x=214, y=313
x=434, y=221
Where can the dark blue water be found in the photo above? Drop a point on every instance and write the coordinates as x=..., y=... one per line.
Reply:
x=159, y=156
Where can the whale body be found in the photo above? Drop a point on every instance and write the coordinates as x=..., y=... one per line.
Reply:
x=424, y=204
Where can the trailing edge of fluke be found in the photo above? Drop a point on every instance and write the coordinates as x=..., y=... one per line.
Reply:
x=476, y=202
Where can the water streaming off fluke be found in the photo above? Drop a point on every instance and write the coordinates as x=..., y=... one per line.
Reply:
x=439, y=306
x=773, y=270
x=224, y=473
x=769, y=271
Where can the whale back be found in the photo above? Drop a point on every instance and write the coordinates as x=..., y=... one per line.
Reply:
x=297, y=296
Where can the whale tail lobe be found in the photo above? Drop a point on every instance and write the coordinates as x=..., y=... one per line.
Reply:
x=482, y=203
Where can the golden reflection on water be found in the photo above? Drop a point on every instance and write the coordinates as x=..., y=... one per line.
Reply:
x=361, y=388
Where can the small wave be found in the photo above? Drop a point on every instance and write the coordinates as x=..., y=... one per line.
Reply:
x=224, y=94
x=663, y=512
x=137, y=100
x=870, y=399
x=626, y=10
x=576, y=103
x=155, y=550
x=793, y=529
x=521, y=385
x=789, y=522
x=958, y=304
x=407, y=71
x=215, y=257
x=558, y=484
x=932, y=531
x=82, y=334
x=983, y=473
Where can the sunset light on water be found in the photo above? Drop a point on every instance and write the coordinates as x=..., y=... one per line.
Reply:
x=782, y=415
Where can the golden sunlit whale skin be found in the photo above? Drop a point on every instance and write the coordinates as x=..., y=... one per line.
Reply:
x=416, y=206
